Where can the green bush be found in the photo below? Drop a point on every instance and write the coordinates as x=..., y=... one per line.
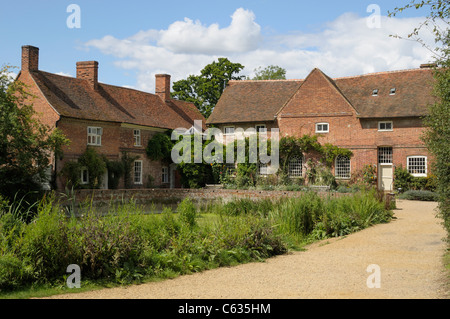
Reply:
x=187, y=212
x=420, y=195
x=404, y=181
x=11, y=272
x=45, y=246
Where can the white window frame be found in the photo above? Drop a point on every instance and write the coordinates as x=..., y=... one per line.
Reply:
x=415, y=157
x=340, y=171
x=259, y=126
x=225, y=130
x=392, y=91
x=263, y=169
x=322, y=130
x=385, y=129
x=295, y=167
x=385, y=155
x=82, y=180
x=375, y=92
x=94, y=135
x=139, y=180
x=165, y=174
x=137, y=137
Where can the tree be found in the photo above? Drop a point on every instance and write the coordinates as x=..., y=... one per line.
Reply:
x=437, y=121
x=436, y=21
x=26, y=144
x=204, y=90
x=272, y=72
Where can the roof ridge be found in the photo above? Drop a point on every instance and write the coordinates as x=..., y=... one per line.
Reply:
x=380, y=73
x=270, y=80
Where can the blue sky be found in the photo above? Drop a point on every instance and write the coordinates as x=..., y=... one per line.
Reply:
x=132, y=40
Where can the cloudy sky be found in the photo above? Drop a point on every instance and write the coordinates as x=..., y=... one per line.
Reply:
x=133, y=40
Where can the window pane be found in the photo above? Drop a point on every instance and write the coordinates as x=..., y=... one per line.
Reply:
x=385, y=155
x=261, y=129
x=165, y=175
x=322, y=127
x=137, y=172
x=229, y=130
x=295, y=167
x=137, y=137
x=342, y=167
x=262, y=169
x=417, y=165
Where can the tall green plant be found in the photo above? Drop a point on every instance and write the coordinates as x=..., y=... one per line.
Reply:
x=26, y=144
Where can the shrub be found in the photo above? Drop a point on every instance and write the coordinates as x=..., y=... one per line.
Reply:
x=11, y=275
x=45, y=247
x=187, y=212
x=419, y=195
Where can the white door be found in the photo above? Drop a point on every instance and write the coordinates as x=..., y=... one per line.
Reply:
x=385, y=177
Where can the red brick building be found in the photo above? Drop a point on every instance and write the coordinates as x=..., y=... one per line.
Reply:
x=108, y=118
x=377, y=116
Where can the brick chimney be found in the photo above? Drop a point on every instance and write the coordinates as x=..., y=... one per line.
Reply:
x=162, y=86
x=428, y=65
x=30, y=58
x=88, y=70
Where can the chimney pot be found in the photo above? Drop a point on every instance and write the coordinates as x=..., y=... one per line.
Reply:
x=162, y=86
x=30, y=58
x=88, y=70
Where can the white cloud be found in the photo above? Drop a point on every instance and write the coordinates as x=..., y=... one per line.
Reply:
x=242, y=35
x=343, y=47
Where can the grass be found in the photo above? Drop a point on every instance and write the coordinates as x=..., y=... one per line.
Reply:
x=128, y=246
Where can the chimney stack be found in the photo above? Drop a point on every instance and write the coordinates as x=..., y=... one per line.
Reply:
x=88, y=70
x=162, y=86
x=428, y=65
x=30, y=58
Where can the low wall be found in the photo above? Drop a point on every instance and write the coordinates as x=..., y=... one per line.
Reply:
x=173, y=196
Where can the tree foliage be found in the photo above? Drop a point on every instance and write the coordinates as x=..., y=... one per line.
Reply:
x=26, y=145
x=437, y=121
x=271, y=72
x=159, y=147
x=437, y=21
x=204, y=90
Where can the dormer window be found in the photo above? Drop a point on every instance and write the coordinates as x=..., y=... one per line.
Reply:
x=375, y=92
x=392, y=91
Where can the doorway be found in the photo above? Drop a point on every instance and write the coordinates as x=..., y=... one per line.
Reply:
x=385, y=168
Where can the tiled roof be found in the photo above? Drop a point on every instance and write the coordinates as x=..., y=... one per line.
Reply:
x=413, y=93
x=72, y=97
x=254, y=101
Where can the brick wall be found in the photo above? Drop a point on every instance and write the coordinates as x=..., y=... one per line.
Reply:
x=116, y=139
x=143, y=196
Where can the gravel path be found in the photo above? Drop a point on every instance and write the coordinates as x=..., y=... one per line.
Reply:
x=407, y=250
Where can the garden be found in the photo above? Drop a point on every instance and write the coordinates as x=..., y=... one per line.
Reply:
x=128, y=245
